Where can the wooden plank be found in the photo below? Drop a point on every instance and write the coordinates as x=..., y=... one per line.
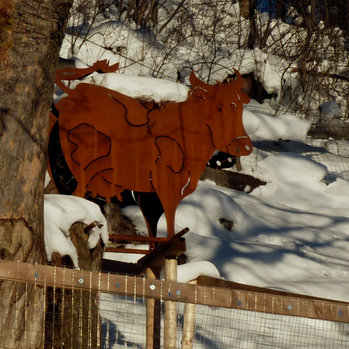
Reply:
x=111, y=266
x=261, y=301
x=155, y=258
x=325, y=131
x=211, y=281
x=174, y=247
x=153, y=315
x=114, y=237
x=231, y=179
x=126, y=250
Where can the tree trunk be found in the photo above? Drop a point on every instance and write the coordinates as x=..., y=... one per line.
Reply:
x=247, y=9
x=244, y=8
x=252, y=38
x=31, y=34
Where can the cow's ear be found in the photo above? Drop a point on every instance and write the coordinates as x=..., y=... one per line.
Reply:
x=195, y=82
x=199, y=88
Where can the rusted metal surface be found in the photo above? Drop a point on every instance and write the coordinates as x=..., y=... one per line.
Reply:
x=112, y=142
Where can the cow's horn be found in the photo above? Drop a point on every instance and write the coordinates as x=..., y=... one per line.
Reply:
x=195, y=82
x=238, y=79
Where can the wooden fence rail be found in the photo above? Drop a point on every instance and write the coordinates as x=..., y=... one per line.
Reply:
x=224, y=294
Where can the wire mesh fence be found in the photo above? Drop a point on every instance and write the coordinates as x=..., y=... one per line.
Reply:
x=81, y=309
x=328, y=151
x=217, y=327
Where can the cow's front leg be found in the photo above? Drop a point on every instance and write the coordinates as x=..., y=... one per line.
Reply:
x=171, y=189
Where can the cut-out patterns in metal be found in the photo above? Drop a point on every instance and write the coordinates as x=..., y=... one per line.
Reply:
x=113, y=142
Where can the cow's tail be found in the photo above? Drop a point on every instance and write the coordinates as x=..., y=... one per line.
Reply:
x=79, y=73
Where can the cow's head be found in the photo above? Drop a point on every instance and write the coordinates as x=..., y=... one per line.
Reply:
x=224, y=105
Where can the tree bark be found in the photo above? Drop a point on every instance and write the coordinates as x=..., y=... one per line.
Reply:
x=247, y=9
x=244, y=6
x=31, y=34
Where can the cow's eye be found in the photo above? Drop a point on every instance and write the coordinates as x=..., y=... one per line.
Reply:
x=219, y=108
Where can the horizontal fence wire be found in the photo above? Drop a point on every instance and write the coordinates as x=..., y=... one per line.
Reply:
x=82, y=309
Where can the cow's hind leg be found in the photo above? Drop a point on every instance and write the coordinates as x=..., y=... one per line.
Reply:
x=151, y=208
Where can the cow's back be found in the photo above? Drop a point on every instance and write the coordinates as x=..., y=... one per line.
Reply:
x=102, y=131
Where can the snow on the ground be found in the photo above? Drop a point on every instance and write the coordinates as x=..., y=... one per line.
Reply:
x=260, y=124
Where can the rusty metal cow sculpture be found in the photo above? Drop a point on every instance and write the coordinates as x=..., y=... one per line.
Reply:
x=113, y=142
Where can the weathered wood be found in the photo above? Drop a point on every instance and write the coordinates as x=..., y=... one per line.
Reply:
x=136, y=238
x=231, y=179
x=175, y=246
x=222, y=294
x=153, y=314
x=126, y=250
x=325, y=131
x=150, y=314
x=189, y=323
x=170, y=323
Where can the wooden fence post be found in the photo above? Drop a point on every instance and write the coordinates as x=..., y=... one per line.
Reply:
x=189, y=323
x=170, y=325
x=153, y=315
